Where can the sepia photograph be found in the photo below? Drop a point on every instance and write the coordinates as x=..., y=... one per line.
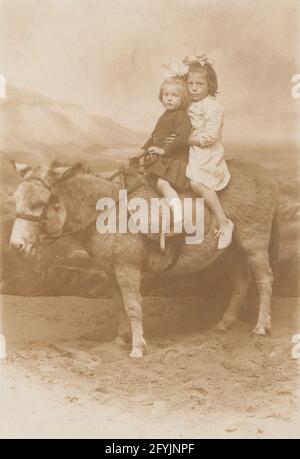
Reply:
x=150, y=221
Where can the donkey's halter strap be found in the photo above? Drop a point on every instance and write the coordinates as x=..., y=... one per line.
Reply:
x=35, y=218
x=43, y=182
x=41, y=218
x=30, y=218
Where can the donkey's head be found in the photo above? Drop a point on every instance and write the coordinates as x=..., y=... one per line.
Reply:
x=40, y=212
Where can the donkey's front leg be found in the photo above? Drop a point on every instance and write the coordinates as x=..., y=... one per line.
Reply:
x=129, y=280
x=124, y=332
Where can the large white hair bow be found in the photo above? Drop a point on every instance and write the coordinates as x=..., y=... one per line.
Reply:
x=175, y=69
x=197, y=59
x=180, y=69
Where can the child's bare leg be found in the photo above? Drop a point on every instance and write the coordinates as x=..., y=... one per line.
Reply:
x=211, y=199
x=225, y=224
x=165, y=189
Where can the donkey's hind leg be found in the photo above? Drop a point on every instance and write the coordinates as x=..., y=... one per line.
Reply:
x=240, y=287
x=262, y=273
x=129, y=280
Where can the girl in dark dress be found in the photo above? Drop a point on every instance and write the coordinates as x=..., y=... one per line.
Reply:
x=170, y=168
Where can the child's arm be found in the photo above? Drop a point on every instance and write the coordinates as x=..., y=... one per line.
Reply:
x=150, y=148
x=151, y=141
x=211, y=131
x=182, y=129
x=148, y=144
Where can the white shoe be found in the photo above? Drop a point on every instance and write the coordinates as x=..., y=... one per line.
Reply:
x=225, y=234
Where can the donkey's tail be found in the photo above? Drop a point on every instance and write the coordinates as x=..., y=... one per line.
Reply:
x=274, y=243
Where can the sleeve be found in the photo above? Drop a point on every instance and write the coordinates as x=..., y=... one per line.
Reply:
x=149, y=142
x=212, y=126
x=182, y=129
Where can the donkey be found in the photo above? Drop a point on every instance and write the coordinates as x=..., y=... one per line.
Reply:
x=53, y=201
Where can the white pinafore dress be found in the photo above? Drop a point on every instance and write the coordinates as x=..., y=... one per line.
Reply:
x=206, y=162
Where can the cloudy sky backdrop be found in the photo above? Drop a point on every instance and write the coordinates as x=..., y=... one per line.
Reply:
x=107, y=55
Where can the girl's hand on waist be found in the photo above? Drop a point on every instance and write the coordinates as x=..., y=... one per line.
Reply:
x=157, y=150
x=170, y=139
x=193, y=140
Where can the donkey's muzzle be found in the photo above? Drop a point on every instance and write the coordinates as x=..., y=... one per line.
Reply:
x=18, y=247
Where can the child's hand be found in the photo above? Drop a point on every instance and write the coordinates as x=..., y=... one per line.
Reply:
x=193, y=140
x=157, y=150
x=170, y=139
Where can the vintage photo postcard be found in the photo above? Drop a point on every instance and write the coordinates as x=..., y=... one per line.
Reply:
x=149, y=221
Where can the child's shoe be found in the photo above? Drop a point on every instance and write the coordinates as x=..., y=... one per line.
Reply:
x=225, y=234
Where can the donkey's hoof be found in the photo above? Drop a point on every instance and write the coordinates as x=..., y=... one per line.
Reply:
x=225, y=325
x=136, y=353
x=222, y=327
x=260, y=330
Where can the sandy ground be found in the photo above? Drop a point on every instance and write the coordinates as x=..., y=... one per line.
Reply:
x=194, y=383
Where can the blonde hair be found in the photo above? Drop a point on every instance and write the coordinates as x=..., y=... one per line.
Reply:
x=210, y=74
x=176, y=81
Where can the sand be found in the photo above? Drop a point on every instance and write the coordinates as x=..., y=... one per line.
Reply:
x=194, y=383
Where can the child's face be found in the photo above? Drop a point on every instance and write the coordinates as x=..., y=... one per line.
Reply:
x=198, y=87
x=171, y=97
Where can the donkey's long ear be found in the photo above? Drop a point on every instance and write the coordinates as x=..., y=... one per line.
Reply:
x=21, y=169
x=62, y=173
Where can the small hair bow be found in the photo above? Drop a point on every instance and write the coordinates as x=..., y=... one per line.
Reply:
x=197, y=59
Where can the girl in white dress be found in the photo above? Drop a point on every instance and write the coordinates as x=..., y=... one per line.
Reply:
x=207, y=169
